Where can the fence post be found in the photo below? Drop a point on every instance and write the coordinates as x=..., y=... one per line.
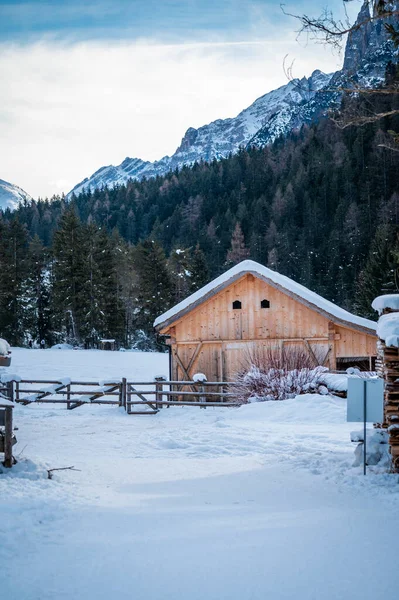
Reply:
x=123, y=393
x=10, y=390
x=202, y=398
x=17, y=391
x=128, y=398
x=68, y=395
x=8, y=437
x=158, y=390
x=200, y=379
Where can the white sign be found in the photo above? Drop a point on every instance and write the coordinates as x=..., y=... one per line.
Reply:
x=365, y=393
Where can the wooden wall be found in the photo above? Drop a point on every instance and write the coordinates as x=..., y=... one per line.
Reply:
x=214, y=338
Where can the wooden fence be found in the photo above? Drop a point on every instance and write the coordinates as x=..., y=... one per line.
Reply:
x=142, y=397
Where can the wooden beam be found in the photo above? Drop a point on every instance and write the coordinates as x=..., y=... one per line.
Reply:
x=312, y=354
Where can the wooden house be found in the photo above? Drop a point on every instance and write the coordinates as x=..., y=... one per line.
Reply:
x=251, y=306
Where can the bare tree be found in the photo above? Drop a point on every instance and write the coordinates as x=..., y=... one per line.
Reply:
x=327, y=29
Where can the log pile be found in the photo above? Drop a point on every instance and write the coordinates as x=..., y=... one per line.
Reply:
x=387, y=366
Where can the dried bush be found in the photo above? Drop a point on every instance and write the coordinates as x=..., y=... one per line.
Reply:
x=274, y=373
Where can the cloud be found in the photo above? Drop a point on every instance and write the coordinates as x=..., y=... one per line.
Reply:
x=69, y=108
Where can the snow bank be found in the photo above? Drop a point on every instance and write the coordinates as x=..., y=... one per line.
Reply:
x=62, y=347
x=7, y=377
x=250, y=266
x=388, y=329
x=388, y=301
x=377, y=452
x=307, y=408
x=5, y=349
x=24, y=469
x=5, y=402
x=337, y=382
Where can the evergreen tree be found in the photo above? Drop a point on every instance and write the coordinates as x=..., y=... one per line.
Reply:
x=110, y=302
x=198, y=268
x=178, y=265
x=71, y=273
x=14, y=303
x=154, y=287
x=380, y=275
x=238, y=250
x=38, y=290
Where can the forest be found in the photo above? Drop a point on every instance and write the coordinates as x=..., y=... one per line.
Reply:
x=321, y=206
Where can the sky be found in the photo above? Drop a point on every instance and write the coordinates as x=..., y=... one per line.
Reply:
x=86, y=83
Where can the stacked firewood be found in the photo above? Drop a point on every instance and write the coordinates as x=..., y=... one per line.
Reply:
x=387, y=366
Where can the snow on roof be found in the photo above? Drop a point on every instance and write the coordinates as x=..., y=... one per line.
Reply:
x=388, y=301
x=388, y=329
x=280, y=281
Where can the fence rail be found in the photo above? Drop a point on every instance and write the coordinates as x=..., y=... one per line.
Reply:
x=136, y=397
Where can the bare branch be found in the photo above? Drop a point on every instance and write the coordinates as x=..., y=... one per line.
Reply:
x=50, y=471
x=328, y=30
x=388, y=147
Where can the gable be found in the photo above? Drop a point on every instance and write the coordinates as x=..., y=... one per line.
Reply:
x=285, y=285
x=219, y=317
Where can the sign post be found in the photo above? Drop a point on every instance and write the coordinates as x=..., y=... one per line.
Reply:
x=365, y=404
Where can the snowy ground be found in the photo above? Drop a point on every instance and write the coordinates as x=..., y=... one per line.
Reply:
x=218, y=504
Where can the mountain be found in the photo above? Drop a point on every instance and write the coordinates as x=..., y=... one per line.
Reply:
x=216, y=140
x=11, y=195
x=368, y=51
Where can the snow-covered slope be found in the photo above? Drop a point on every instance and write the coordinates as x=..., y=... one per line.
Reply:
x=11, y=195
x=216, y=140
x=276, y=113
x=367, y=53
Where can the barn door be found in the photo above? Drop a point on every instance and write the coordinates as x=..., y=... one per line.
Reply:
x=202, y=357
x=185, y=359
x=319, y=351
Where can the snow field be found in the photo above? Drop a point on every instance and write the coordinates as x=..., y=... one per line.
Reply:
x=238, y=504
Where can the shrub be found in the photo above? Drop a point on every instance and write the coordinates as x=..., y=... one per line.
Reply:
x=277, y=374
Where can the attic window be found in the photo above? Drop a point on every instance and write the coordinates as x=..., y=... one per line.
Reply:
x=264, y=304
x=236, y=305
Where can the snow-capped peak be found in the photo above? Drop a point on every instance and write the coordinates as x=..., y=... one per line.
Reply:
x=277, y=113
x=11, y=195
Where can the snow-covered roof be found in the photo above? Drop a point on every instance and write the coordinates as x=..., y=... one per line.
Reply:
x=390, y=301
x=281, y=282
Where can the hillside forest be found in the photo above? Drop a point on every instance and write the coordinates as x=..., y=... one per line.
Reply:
x=321, y=206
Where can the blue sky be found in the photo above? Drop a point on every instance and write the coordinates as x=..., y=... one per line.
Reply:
x=85, y=84
x=25, y=20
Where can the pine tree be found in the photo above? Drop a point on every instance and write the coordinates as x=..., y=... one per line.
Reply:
x=154, y=286
x=110, y=302
x=238, y=250
x=178, y=265
x=71, y=273
x=13, y=274
x=198, y=268
x=38, y=291
x=380, y=275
